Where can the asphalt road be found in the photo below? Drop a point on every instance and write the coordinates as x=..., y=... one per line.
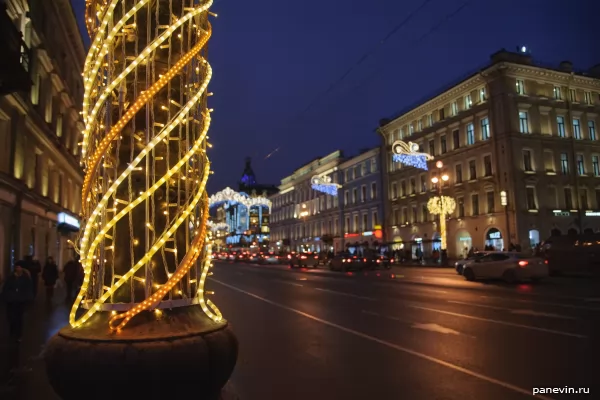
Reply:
x=406, y=334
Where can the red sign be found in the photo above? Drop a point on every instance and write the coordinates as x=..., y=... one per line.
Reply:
x=378, y=234
x=350, y=235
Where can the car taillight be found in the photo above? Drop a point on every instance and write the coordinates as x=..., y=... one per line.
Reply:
x=364, y=260
x=545, y=261
x=303, y=257
x=523, y=264
x=378, y=261
x=289, y=257
x=392, y=260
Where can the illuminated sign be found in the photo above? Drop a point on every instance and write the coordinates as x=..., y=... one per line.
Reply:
x=561, y=213
x=592, y=213
x=368, y=233
x=324, y=184
x=350, y=235
x=64, y=218
x=408, y=154
x=495, y=235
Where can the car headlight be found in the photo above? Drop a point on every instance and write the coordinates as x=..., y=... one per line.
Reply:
x=456, y=264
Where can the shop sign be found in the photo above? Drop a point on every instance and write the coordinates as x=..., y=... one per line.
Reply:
x=66, y=219
x=561, y=213
x=351, y=235
x=495, y=235
x=592, y=213
x=368, y=233
x=378, y=233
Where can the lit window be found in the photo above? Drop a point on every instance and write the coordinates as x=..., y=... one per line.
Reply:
x=523, y=122
x=564, y=163
x=531, y=203
x=485, y=128
x=520, y=87
x=592, y=130
x=580, y=165
x=429, y=120
x=470, y=134
x=576, y=128
x=596, y=165
x=573, y=95
x=454, y=108
x=527, y=164
x=420, y=125
x=482, y=95
x=587, y=97
x=557, y=93
x=560, y=123
x=411, y=129
x=468, y=102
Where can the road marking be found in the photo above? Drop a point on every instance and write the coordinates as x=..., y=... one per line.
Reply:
x=382, y=316
x=422, y=356
x=346, y=294
x=502, y=322
x=435, y=328
x=287, y=282
x=513, y=311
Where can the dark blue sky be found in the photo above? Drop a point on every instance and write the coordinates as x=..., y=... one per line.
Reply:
x=273, y=58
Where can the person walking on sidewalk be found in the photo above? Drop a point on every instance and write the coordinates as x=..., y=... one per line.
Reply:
x=34, y=268
x=50, y=276
x=73, y=276
x=17, y=292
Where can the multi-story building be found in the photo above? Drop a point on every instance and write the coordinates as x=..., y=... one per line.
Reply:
x=527, y=130
x=41, y=94
x=301, y=216
x=360, y=198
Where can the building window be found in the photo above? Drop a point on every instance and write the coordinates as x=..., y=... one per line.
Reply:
x=375, y=218
x=356, y=227
x=527, y=164
x=491, y=202
x=482, y=95
x=404, y=215
x=456, y=139
x=583, y=201
x=458, y=173
x=363, y=169
x=454, y=107
x=587, y=97
x=411, y=129
x=592, y=130
x=531, y=203
x=523, y=122
x=432, y=147
x=470, y=134
x=520, y=87
x=413, y=186
x=596, y=165
x=365, y=221
x=420, y=125
x=397, y=217
x=443, y=147
x=442, y=114
x=487, y=165
x=475, y=204
x=373, y=165
x=472, y=170
x=363, y=193
x=560, y=123
x=568, y=199
x=580, y=165
x=564, y=163
x=485, y=129
x=576, y=128
x=552, y=203
x=424, y=213
x=557, y=93
x=354, y=196
x=414, y=215
x=373, y=191
x=468, y=102
x=429, y=119
x=346, y=197
x=403, y=188
x=573, y=95
x=394, y=191
x=423, y=184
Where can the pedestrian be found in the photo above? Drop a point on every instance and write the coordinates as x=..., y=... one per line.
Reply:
x=50, y=276
x=34, y=268
x=17, y=291
x=71, y=271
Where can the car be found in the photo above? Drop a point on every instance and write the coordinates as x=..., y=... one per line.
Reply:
x=459, y=265
x=304, y=259
x=232, y=256
x=347, y=262
x=509, y=266
x=240, y=257
x=222, y=256
x=268, y=258
x=252, y=257
x=381, y=261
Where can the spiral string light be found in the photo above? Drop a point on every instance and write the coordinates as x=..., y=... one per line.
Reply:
x=144, y=153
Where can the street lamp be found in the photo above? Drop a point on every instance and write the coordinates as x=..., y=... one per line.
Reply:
x=442, y=205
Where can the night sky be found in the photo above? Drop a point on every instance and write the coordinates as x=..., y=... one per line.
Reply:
x=272, y=59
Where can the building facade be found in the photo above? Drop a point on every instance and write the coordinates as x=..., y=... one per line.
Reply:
x=514, y=127
x=40, y=174
x=301, y=216
x=360, y=199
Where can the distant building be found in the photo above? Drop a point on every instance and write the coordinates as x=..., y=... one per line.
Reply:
x=248, y=183
x=514, y=126
x=41, y=93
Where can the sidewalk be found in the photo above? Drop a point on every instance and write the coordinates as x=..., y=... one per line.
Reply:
x=27, y=381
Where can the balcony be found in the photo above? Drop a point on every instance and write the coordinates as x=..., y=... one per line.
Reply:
x=15, y=57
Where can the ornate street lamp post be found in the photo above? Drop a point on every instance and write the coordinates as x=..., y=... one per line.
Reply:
x=143, y=326
x=442, y=206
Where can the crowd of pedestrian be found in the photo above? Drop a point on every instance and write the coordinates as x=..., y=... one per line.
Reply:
x=21, y=288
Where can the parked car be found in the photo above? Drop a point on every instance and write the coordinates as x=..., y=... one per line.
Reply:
x=459, y=265
x=304, y=260
x=511, y=267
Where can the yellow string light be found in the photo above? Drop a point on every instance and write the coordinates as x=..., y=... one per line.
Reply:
x=98, y=222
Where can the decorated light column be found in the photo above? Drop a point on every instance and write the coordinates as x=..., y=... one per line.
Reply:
x=142, y=325
x=442, y=206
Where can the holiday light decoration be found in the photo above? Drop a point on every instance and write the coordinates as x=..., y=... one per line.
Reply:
x=229, y=195
x=144, y=153
x=324, y=184
x=442, y=206
x=218, y=226
x=408, y=154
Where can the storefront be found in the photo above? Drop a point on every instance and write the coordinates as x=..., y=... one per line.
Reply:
x=67, y=227
x=494, y=240
x=464, y=242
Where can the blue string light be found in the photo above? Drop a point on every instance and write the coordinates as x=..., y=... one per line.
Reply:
x=412, y=160
x=330, y=189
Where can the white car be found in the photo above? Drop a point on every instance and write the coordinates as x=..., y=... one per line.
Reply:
x=511, y=267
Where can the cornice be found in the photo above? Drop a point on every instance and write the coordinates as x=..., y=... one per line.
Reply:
x=550, y=75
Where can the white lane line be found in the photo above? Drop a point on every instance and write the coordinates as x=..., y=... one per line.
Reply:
x=287, y=282
x=381, y=316
x=533, y=328
x=513, y=311
x=422, y=356
x=346, y=294
x=435, y=328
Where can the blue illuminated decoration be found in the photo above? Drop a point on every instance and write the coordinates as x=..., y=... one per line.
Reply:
x=324, y=184
x=411, y=160
x=409, y=154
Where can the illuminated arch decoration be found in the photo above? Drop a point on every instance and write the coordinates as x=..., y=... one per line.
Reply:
x=324, y=184
x=229, y=195
x=408, y=154
x=168, y=145
x=442, y=206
